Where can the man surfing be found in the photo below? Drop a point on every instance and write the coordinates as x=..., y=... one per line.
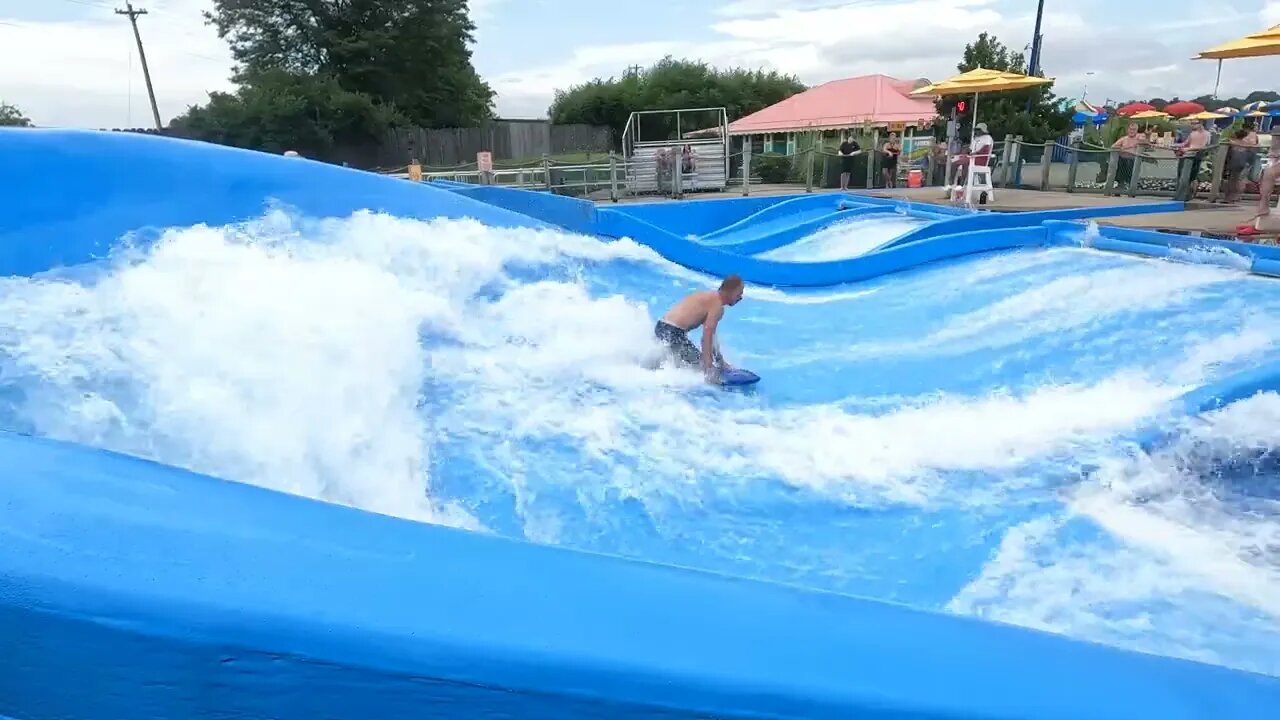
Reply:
x=704, y=308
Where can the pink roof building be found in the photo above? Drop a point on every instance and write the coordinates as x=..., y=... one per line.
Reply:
x=868, y=100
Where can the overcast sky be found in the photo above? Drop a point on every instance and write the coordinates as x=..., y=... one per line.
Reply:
x=73, y=62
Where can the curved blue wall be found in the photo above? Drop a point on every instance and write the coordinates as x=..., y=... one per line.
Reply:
x=700, y=217
x=1247, y=257
x=1000, y=220
x=567, y=212
x=713, y=261
x=161, y=594
x=132, y=589
x=70, y=194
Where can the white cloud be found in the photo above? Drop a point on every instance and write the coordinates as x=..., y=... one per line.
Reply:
x=78, y=73
x=1161, y=70
x=1270, y=13
x=821, y=40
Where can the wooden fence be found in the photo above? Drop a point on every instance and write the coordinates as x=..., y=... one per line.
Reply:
x=506, y=139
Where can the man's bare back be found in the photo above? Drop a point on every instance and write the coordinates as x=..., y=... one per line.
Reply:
x=693, y=310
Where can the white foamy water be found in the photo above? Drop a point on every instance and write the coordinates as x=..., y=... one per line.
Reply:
x=282, y=354
x=1063, y=302
x=291, y=355
x=1159, y=553
x=846, y=239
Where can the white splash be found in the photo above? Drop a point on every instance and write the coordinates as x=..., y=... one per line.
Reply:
x=847, y=239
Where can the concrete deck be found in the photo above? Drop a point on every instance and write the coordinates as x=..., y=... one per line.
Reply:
x=1204, y=219
x=1200, y=217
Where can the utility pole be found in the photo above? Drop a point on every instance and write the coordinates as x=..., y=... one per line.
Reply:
x=1033, y=67
x=146, y=73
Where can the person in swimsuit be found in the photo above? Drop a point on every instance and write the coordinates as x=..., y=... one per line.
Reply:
x=700, y=309
x=889, y=167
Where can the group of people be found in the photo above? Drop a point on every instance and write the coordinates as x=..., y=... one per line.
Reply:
x=666, y=161
x=1242, y=159
x=849, y=149
x=976, y=152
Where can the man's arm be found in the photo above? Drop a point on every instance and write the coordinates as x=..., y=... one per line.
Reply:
x=709, y=336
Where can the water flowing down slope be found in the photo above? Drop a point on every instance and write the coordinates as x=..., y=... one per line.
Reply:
x=908, y=432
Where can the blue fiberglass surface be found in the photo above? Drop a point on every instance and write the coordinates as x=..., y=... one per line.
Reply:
x=944, y=437
x=846, y=238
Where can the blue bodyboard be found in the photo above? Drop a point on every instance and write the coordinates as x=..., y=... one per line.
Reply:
x=738, y=377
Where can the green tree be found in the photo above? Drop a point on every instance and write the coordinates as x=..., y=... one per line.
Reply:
x=1004, y=112
x=671, y=84
x=11, y=116
x=412, y=54
x=278, y=110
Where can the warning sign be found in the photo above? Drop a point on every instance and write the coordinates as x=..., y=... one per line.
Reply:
x=484, y=161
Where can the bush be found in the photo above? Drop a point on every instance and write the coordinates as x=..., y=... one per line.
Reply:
x=771, y=167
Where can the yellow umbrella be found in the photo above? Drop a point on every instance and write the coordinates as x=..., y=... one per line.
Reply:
x=981, y=80
x=1148, y=115
x=1205, y=115
x=1259, y=44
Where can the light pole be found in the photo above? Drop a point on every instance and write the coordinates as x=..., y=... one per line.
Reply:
x=1033, y=67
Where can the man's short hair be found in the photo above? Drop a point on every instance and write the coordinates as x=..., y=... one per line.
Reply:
x=732, y=283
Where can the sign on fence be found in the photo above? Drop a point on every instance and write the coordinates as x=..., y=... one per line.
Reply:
x=484, y=161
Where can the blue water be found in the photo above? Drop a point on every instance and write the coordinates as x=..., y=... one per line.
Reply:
x=945, y=437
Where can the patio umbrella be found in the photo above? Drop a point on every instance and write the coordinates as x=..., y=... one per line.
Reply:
x=1134, y=107
x=1259, y=44
x=980, y=80
x=1185, y=107
x=1205, y=115
x=1149, y=115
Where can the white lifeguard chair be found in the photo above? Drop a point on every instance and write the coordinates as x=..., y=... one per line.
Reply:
x=977, y=182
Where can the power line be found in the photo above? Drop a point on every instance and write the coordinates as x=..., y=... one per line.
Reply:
x=142, y=55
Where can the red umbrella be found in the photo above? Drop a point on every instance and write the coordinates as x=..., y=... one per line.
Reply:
x=1134, y=108
x=1179, y=109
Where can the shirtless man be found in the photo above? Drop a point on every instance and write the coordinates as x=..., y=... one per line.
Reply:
x=1262, y=221
x=703, y=309
x=1129, y=145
